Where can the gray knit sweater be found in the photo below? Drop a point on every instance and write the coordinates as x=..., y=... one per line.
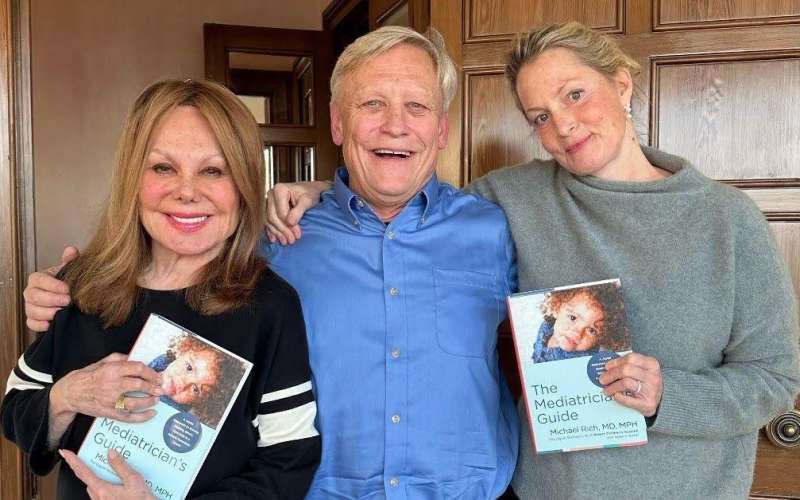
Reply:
x=706, y=293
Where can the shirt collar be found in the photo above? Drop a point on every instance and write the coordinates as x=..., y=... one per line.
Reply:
x=427, y=197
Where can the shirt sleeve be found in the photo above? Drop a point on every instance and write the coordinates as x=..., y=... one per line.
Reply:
x=759, y=376
x=289, y=448
x=26, y=404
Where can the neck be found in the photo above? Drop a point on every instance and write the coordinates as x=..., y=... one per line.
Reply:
x=632, y=165
x=171, y=271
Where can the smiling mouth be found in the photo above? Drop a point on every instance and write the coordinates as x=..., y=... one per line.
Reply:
x=189, y=220
x=392, y=153
x=576, y=146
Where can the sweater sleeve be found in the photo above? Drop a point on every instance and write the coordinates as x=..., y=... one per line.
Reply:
x=759, y=375
x=26, y=404
x=482, y=187
x=289, y=447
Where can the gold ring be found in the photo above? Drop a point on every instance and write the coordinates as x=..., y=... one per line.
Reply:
x=120, y=403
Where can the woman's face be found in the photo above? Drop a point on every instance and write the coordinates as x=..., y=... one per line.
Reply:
x=188, y=201
x=579, y=322
x=189, y=376
x=578, y=113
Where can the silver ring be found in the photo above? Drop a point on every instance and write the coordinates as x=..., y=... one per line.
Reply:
x=638, y=387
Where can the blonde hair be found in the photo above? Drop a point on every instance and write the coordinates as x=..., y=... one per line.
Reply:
x=103, y=280
x=382, y=40
x=597, y=50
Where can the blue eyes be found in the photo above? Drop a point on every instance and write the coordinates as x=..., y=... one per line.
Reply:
x=572, y=97
x=575, y=95
x=540, y=119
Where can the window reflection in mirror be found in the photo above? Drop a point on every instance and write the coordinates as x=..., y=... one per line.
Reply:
x=289, y=163
x=278, y=89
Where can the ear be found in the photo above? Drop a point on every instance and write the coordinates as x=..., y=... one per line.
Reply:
x=444, y=129
x=624, y=83
x=336, y=125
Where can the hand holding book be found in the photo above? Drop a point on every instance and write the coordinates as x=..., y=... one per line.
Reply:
x=634, y=380
x=133, y=485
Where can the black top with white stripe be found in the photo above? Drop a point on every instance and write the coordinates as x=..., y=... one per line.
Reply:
x=268, y=446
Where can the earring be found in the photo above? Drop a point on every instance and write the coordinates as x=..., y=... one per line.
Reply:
x=627, y=109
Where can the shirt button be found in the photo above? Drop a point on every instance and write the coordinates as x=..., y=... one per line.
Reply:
x=394, y=482
x=395, y=419
x=395, y=353
x=390, y=235
x=360, y=203
x=394, y=291
x=355, y=222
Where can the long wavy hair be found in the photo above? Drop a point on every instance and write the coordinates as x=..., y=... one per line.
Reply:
x=103, y=280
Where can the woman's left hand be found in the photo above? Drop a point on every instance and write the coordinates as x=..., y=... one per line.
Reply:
x=634, y=380
x=132, y=487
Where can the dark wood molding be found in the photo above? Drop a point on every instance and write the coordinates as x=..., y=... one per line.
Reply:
x=16, y=213
x=336, y=12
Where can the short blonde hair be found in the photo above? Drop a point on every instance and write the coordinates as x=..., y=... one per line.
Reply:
x=382, y=40
x=104, y=278
x=597, y=50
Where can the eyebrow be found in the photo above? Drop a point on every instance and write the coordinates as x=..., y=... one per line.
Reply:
x=168, y=156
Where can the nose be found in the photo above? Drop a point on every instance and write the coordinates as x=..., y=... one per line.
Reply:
x=186, y=190
x=394, y=123
x=564, y=123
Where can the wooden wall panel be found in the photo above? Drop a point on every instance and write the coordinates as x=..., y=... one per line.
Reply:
x=500, y=19
x=776, y=471
x=721, y=115
x=496, y=133
x=690, y=14
x=787, y=235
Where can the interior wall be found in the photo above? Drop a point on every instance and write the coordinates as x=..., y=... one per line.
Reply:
x=90, y=59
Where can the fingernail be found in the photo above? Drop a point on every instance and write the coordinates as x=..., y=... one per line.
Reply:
x=112, y=453
x=61, y=452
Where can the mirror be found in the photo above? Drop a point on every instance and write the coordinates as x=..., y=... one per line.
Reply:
x=289, y=163
x=278, y=89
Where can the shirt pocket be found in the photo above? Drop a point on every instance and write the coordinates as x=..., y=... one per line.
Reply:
x=467, y=312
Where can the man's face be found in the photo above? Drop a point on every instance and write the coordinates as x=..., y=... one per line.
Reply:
x=389, y=119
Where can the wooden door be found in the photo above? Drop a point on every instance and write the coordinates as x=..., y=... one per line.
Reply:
x=286, y=73
x=720, y=86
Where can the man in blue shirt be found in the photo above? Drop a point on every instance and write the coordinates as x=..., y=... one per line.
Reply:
x=403, y=283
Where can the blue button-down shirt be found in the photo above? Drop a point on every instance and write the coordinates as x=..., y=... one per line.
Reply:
x=401, y=321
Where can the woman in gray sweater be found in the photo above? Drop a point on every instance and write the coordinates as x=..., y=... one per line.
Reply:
x=711, y=309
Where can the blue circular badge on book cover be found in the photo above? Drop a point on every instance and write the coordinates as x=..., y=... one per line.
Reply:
x=597, y=365
x=182, y=432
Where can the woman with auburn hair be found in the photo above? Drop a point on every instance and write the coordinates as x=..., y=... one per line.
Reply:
x=177, y=238
x=711, y=309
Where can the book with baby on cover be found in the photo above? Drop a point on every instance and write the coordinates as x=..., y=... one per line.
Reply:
x=201, y=382
x=563, y=337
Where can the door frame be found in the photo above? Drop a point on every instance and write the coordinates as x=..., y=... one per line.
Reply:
x=17, y=238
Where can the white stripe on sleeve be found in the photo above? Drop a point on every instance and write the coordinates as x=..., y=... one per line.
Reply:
x=289, y=425
x=285, y=393
x=14, y=382
x=30, y=372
